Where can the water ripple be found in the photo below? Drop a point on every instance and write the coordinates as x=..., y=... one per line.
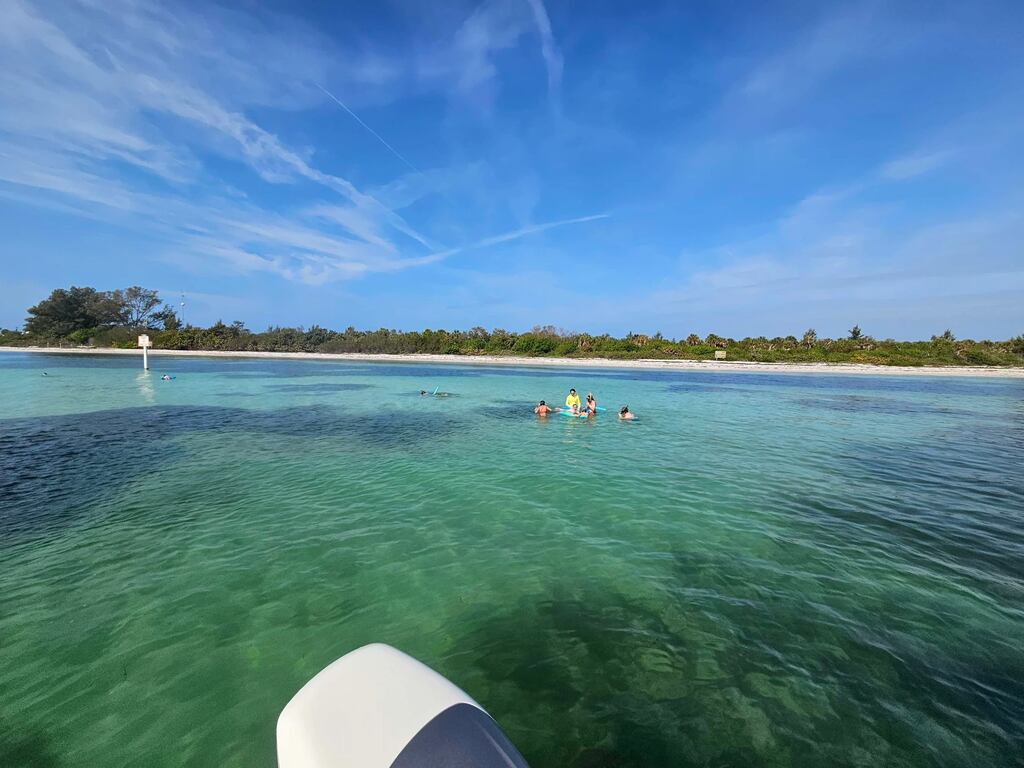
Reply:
x=763, y=570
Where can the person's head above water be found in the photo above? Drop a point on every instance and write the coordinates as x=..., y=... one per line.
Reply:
x=624, y=409
x=572, y=391
x=590, y=395
x=541, y=403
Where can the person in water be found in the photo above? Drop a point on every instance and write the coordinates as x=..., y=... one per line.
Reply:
x=590, y=407
x=165, y=377
x=543, y=409
x=572, y=401
x=625, y=414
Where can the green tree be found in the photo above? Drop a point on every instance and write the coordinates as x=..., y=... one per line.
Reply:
x=693, y=340
x=315, y=337
x=74, y=309
x=810, y=338
x=855, y=333
x=138, y=307
x=947, y=335
x=169, y=318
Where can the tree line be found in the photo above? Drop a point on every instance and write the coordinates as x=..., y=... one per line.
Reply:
x=85, y=316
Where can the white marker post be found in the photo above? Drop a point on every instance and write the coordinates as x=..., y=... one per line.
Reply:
x=145, y=344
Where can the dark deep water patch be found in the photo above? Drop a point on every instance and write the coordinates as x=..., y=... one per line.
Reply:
x=974, y=504
x=325, y=388
x=589, y=677
x=53, y=468
x=571, y=657
x=23, y=747
x=884, y=405
x=705, y=388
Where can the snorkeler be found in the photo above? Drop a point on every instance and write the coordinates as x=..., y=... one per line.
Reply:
x=590, y=407
x=625, y=414
x=543, y=409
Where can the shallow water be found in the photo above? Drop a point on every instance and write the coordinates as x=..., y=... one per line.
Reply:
x=763, y=570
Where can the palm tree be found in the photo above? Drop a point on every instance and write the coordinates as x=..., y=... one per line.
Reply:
x=855, y=333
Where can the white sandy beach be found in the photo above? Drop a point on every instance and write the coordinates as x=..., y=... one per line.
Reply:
x=713, y=366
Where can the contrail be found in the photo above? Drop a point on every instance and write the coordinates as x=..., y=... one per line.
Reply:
x=498, y=239
x=376, y=135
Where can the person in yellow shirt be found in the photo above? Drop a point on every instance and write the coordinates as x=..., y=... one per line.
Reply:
x=573, y=401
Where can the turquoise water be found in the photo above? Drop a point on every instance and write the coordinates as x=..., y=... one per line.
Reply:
x=764, y=570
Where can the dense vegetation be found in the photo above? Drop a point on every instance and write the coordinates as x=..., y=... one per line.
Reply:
x=84, y=316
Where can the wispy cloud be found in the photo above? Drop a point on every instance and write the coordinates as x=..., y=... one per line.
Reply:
x=817, y=54
x=114, y=110
x=917, y=164
x=786, y=77
x=469, y=60
x=552, y=56
x=836, y=257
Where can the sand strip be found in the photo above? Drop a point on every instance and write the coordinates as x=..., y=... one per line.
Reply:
x=712, y=366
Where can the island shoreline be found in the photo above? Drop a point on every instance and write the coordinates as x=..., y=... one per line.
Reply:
x=708, y=366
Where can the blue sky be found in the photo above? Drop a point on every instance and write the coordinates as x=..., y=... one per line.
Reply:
x=742, y=168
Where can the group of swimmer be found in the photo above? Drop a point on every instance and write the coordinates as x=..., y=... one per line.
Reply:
x=588, y=408
x=573, y=405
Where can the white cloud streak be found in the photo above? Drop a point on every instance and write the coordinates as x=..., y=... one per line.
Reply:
x=549, y=50
x=115, y=110
x=505, y=237
x=917, y=164
x=469, y=60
